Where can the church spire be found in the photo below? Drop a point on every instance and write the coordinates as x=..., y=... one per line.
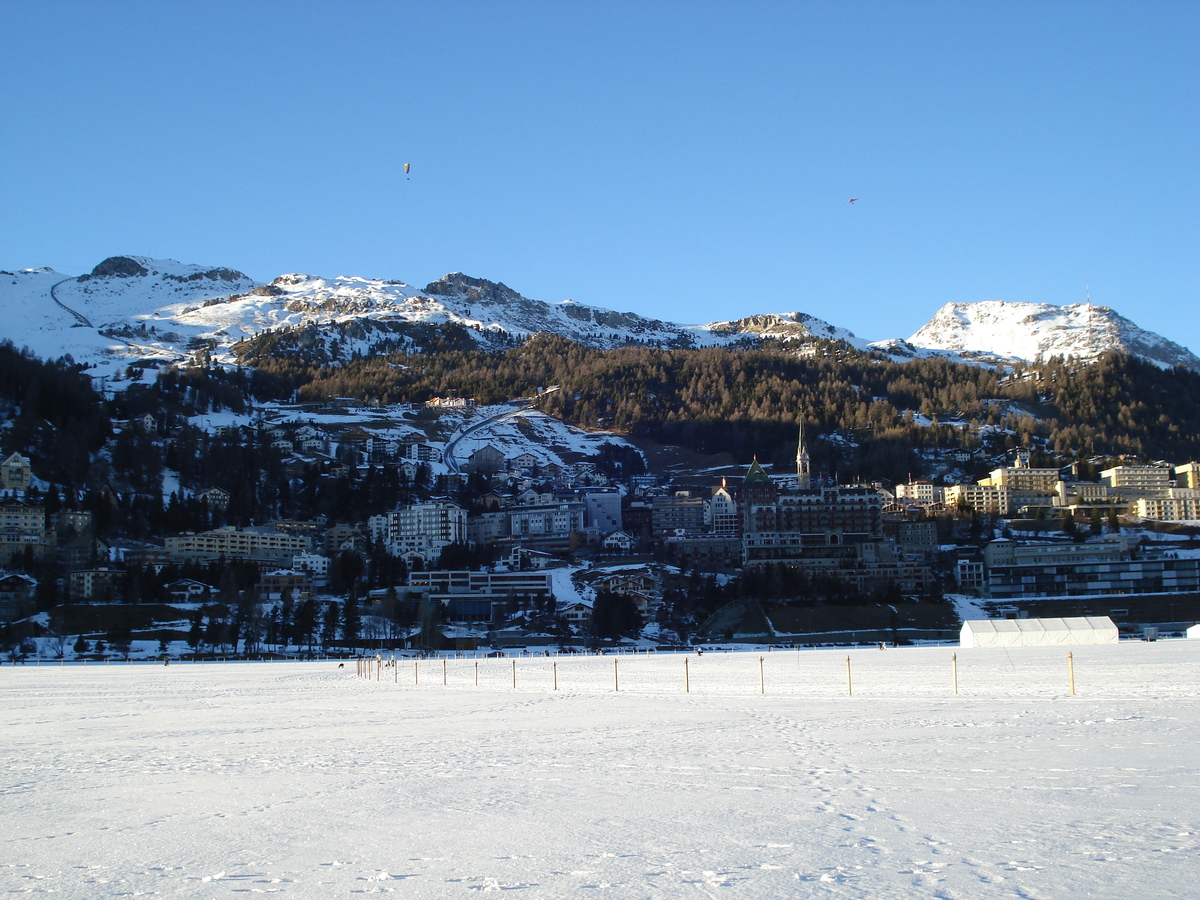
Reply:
x=803, y=463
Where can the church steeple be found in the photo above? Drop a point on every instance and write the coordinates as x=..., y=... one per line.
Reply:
x=803, y=463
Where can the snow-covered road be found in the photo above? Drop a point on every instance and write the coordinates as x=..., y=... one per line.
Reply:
x=303, y=780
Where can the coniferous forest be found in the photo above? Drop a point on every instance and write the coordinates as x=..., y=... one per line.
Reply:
x=751, y=400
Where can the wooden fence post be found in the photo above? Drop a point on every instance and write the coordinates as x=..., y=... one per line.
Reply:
x=554, y=666
x=762, y=683
x=616, y=685
x=1071, y=670
x=514, y=668
x=687, y=688
x=954, y=666
x=849, y=682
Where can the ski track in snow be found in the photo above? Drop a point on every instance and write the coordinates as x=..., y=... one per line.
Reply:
x=302, y=780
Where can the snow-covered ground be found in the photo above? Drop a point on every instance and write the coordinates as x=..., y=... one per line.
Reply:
x=303, y=780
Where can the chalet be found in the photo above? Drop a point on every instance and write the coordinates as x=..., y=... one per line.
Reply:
x=491, y=501
x=532, y=496
x=16, y=474
x=619, y=542
x=355, y=437
x=576, y=615
x=486, y=459
x=188, y=590
x=523, y=461
x=214, y=498
x=16, y=597
x=628, y=581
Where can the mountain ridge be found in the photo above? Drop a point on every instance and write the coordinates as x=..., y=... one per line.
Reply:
x=144, y=310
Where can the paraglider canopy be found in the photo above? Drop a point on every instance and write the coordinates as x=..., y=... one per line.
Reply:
x=406, y=167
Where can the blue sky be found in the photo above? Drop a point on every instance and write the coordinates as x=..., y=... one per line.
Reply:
x=690, y=161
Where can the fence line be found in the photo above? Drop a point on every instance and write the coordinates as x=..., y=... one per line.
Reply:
x=701, y=673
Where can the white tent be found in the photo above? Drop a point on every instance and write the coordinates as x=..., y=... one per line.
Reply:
x=1038, y=632
x=1194, y=631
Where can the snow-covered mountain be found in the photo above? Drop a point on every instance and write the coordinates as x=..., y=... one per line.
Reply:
x=131, y=308
x=994, y=331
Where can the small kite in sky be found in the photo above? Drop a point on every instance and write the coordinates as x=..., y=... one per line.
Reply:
x=851, y=201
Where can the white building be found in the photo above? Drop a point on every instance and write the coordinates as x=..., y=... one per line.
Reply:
x=922, y=492
x=1179, y=505
x=315, y=565
x=423, y=528
x=1138, y=479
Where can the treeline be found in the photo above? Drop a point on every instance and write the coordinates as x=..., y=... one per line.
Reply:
x=751, y=401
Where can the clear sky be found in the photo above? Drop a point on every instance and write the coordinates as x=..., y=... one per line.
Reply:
x=685, y=160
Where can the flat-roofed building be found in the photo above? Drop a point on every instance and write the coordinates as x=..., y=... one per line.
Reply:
x=1180, y=505
x=1188, y=475
x=470, y=596
x=1142, y=479
x=235, y=543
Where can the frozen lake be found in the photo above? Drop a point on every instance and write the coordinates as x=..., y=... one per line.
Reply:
x=303, y=780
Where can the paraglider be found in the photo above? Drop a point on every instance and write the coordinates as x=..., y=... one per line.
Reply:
x=406, y=167
x=851, y=201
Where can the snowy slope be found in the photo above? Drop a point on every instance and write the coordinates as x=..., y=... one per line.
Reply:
x=32, y=319
x=999, y=330
x=134, y=308
x=127, y=308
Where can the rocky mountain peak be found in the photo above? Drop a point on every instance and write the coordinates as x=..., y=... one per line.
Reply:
x=477, y=290
x=121, y=266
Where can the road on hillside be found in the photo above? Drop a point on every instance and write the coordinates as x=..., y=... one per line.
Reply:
x=79, y=317
x=452, y=444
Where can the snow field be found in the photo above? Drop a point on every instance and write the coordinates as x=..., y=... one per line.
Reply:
x=301, y=779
